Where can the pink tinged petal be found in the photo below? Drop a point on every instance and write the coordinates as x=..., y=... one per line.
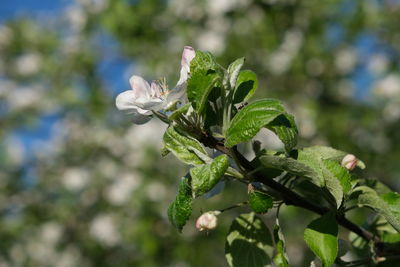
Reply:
x=155, y=90
x=187, y=55
x=349, y=161
x=140, y=87
x=207, y=221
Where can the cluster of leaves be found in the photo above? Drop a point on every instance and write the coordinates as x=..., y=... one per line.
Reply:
x=219, y=117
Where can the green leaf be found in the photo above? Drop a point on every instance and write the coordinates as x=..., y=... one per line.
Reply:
x=290, y=165
x=260, y=202
x=326, y=152
x=310, y=165
x=321, y=237
x=358, y=244
x=179, y=112
x=341, y=173
x=205, y=177
x=387, y=205
x=285, y=128
x=180, y=210
x=199, y=87
x=249, y=121
x=391, y=237
x=246, y=85
x=205, y=73
x=280, y=258
x=203, y=61
x=213, y=113
x=185, y=148
x=392, y=199
x=328, y=174
x=378, y=186
x=248, y=243
x=233, y=72
x=268, y=113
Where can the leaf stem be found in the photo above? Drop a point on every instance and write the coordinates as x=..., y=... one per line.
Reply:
x=162, y=117
x=234, y=206
x=350, y=208
x=234, y=173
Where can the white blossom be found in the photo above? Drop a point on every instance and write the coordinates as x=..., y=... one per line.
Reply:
x=121, y=190
x=378, y=63
x=279, y=61
x=75, y=179
x=391, y=111
x=156, y=191
x=6, y=36
x=69, y=257
x=76, y=17
x=211, y=40
x=104, y=230
x=389, y=86
x=28, y=64
x=94, y=6
x=346, y=60
x=15, y=150
x=145, y=98
x=25, y=97
x=51, y=232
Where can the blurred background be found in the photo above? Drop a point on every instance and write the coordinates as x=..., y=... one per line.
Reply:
x=80, y=185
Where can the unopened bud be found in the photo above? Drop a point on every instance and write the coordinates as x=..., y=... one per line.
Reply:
x=207, y=221
x=349, y=161
x=250, y=188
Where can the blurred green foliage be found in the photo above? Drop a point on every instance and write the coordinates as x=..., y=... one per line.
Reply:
x=99, y=189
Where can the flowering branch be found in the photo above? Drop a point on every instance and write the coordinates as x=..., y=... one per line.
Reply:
x=216, y=115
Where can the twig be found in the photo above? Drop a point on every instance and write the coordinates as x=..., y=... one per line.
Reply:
x=289, y=196
x=234, y=206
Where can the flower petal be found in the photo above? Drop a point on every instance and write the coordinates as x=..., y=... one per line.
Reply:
x=175, y=95
x=140, y=87
x=150, y=104
x=143, y=112
x=183, y=78
x=126, y=101
x=138, y=118
x=155, y=90
x=187, y=56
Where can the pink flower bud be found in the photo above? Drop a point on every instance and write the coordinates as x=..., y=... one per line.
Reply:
x=207, y=221
x=349, y=161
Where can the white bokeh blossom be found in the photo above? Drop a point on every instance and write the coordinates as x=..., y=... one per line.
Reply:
x=28, y=64
x=75, y=179
x=121, y=190
x=104, y=230
x=388, y=86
